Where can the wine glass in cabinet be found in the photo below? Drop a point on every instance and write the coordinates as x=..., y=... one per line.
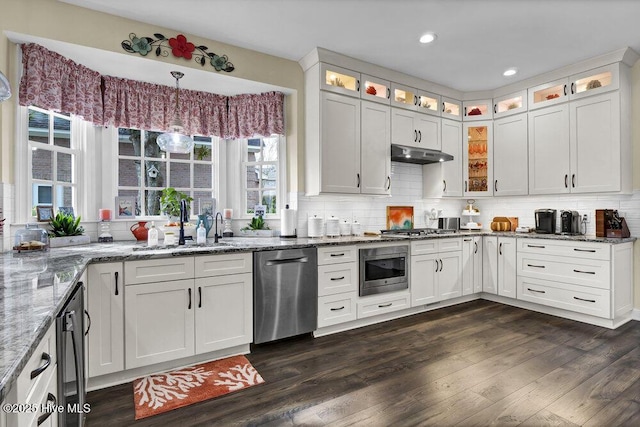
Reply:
x=477, y=158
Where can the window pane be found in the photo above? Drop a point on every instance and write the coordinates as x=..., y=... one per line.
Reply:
x=156, y=173
x=151, y=148
x=180, y=156
x=64, y=196
x=38, y=126
x=128, y=142
x=269, y=200
x=202, y=175
x=180, y=174
x=254, y=153
x=61, y=132
x=270, y=149
x=269, y=176
x=129, y=173
x=253, y=199
x=253, y=179
x=132, y=193
x=64, y=166
x=153, y=202
x=42, y=194
x=202, y=149
x=42, y=164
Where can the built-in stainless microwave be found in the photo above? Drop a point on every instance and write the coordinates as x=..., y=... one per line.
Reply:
x=384, y=269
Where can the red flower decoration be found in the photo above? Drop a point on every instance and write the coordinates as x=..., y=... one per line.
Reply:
x=180, y=47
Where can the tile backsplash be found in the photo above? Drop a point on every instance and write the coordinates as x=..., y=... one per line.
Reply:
x=406, y=190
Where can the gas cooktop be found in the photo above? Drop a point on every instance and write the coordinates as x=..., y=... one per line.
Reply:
x=417, y=231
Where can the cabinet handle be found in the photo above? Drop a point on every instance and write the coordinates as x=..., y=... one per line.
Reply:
x=385, y=305
x=358, y=175
x=337, y=278
x=565, y=90
x=388, y=183
x=495, y=108
x=415, y=135
x=573, y=86
x=467, y=240
x=89, y=321
x=573, y=180
x=475, y=251
x=585, y=300
x=465, y=111
x=536, y=266
x=335, y=255
x=441, y=265
x=500, y=248
x=584, y=250
x=533, y=290
x=443, y=107
x=388, y=93
x=53, y=402
x=495, y=185
x=437, y=266
x=444, y=182
x=47, y=361
x=419, y=136
x=357, y=85
x=116, y=275
x=536, y=246
x=465, y=186
x=189, y=307
x=199, y=296
x=584, y=272
x=566, y=181
x=415, y=99
x=337, y=309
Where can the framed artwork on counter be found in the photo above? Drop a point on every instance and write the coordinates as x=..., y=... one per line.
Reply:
x=67, y=210
x=206, y=206
x=125, y=207
x=44, y=213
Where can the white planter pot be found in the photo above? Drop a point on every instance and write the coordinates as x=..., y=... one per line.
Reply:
x=57, y=242
x=257, y=233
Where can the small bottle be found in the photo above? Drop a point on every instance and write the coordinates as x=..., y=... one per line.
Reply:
x=152, y=237
x=201, y=236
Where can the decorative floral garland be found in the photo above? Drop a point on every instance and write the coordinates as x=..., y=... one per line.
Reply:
x=179, y=47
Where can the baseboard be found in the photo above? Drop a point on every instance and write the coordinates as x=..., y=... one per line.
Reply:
x=635, y=314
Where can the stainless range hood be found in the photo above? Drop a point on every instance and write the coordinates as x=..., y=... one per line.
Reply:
x=422, y=156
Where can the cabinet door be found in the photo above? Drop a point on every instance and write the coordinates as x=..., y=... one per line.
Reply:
x=160, y=322
x=404, y=97
x=510, y=104
x=477, y=110
x=375, y=89
x=428, y=103
x=428, y=128
x=105, y=304
x=452, y=170
x=340, y=141
x=375, y=149
x=595, y=144
x=477, y=264
x=595, y=82
x=490, y=264
x=424, y=288
x=403, y=131
x=549, y=162
x=339, y=80
x=451, y=109
x=478, y=158
x=450, y=275
x=548, y=94
x=467, y=265
x=507, y=267
x=510, y=176
x=223, y=311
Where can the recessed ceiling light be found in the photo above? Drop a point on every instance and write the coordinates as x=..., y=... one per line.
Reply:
x=510, y=72
x=427, y=38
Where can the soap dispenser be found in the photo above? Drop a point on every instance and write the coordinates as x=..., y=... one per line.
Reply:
x=201, y=236
x=152, y=237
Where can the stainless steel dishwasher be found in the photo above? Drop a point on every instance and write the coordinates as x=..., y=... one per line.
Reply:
x=285, y=293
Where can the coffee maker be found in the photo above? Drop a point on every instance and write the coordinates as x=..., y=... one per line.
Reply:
x=546, y=221
x=570, y=222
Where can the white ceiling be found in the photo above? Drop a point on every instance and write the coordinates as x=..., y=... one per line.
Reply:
x=477, y=40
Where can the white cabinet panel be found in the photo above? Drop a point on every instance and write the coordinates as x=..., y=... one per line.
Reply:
x=338, y=308
x=154, y=270
x=510, y=156
x=337, y=278
x=507, y=267
x=490, y=264
x=375, y=305
x=375, y=149
x=428, y=128
x=215, y=265
x=424, y=286
x=450, y=275
x=337, y=254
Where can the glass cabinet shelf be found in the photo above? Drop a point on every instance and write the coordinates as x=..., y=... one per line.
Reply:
x=339, y=80
x=404, y=97
x=592, y=82
x=478, y=110
x=428, y=103
x=451, y=109
x=553, y=92
x=333, y=78
x=375, y=89
x=509, y=104
x=478, y=159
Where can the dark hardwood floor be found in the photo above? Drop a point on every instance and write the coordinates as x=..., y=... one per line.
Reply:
x=474, y=364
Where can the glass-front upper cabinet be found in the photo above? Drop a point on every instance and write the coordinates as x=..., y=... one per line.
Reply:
x=477, y=110
x=477, y=158
x=451, y=109
x=375, y=89
x=404, y=96
x=339, y=80
x=595, y=81
x=510, y=104
x=428, y=103
x=548, y=94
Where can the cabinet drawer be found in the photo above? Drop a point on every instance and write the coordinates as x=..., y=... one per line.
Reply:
x=579, y=271
x=435, y=245
x=337, y=254
x=581, y=299
x=218, y=265
x=337, y=278
x=158, y=270
x=46, y=394
x=450, y=244
x=587, y=250
x=44, y=355
x=334, y=309
x=385, y=304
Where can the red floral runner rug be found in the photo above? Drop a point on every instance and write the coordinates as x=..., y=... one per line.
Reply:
x=155, y=394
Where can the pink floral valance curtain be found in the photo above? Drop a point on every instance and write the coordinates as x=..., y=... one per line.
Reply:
x=56, y=83
x=251, y=115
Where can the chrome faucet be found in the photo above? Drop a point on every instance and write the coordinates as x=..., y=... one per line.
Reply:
x=184, y=217
x=216, y=236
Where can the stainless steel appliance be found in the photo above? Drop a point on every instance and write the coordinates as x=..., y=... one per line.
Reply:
x=570, y=222
x=384, y=269
x=545, y=221
x=285, y=292
x=421, y=156
x=70, y=351
x=449, y=223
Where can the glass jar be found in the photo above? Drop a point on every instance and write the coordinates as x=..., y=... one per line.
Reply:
x=31, y=238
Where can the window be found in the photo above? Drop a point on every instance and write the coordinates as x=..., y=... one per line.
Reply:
x=261, y=172
x=140, y=157
x=52, y=161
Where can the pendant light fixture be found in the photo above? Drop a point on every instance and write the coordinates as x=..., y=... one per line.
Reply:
x=5, y=88
x=175, y=141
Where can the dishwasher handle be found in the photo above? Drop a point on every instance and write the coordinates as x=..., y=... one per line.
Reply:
x=297, y=260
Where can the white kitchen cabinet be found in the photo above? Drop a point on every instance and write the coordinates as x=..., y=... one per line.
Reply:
x=477, y=110
x=223, y=311
x=477, y=159
x=595, y=82
x=490, y=264
x=436, y=270
x=445, y=178
x=547, y=94
x=471, y=265
x=415, y=129
x=450, y=275
x=451, y=109
x=337, y=284
x=404, y=97
x=549, y=150
x=339, y=80
x=375, y=89
x=499, y=266
x=424, y=281
x=509, y=105
x=428, y=103
x=105, y=304
x=382, y=303
x=375, y=149
x=510, y=156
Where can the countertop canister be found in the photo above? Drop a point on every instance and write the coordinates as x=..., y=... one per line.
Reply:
x=333, y=227
x=315, y=226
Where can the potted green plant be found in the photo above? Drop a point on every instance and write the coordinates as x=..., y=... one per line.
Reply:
x=170, y=201
x=257, y=227
x=65, y=230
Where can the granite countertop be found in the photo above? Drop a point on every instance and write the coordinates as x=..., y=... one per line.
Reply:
x=35, y=286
